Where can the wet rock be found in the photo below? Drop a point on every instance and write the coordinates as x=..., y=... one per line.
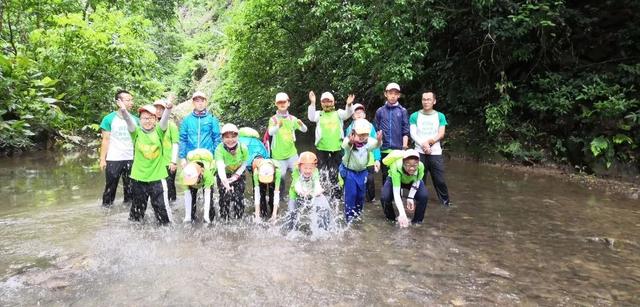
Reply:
x=500, y=272
x=458, y=301
x=604, y=240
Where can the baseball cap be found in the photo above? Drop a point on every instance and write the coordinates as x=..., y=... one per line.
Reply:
x=147, y=108
x=392, y=86
x=282, y=97
x=358, y=106
x=190, y=174
x=229, y=128
x=160, y=102
x=362, y=126
x=265, y=173
x=198, y=94
x=411, y=153
x=327, y=95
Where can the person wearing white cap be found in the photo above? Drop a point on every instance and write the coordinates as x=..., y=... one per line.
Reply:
x=116, y=151
x=406, y=172
x=199, y=129
x=170, y=148
x=148, y=172
x=231, y=162
x=427, y=129
x=392, y=121
x=329, y=135
x=357, y=146
x=373, y=166
x=282, y=131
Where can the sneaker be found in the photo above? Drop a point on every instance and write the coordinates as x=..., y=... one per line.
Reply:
x=186, y=221
x=447, y=204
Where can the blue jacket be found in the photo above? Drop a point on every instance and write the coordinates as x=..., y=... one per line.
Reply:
x=376, y=152
x=199, y=131
x=393, y=121
x=255, y=147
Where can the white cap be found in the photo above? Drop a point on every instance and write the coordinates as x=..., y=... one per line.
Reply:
x=327, y=95
x=358, y=106
x=160, y=102
x=147, y=108
x=282, y=97
x=228, y=128
x=361, y=126
x=190, y=174
x=266, y=172
x=411, y=153
x=392, y=86
x=198, y=94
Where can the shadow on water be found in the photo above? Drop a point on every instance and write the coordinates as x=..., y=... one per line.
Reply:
x=512, y=238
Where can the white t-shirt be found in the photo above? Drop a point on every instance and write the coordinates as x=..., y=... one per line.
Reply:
x=425, y=126
x=120, y=145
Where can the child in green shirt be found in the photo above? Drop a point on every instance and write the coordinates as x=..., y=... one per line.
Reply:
x=329, y=135
x=231, y=161
x=405, y=173
x=266, y=184
x=198, y=174
x=148, y=172
x=282, y=128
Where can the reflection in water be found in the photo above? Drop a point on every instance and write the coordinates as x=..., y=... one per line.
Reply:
x=512, y=239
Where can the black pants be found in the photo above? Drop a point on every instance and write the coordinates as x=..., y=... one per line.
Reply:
x=434, y=165
x=328, y=164
x=371, y=184
x=154, y=190
x=420, y=200
x=232, y=199
x=266, y=199
x=113, y=172
x=194, y=200
x=383, y=168
x=171, y=184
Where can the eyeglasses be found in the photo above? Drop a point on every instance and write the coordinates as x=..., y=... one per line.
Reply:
x=410, y=165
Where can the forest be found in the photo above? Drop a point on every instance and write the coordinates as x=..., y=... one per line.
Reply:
x=533, y=82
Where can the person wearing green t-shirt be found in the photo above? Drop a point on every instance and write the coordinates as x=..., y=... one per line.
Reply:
x=231, y=162
x=170, y=148
x=405, y=173
x=329, y=135
x=427, y=128
x=198, y=174
x=281, y=129
x=148, y=172
x=266, y=188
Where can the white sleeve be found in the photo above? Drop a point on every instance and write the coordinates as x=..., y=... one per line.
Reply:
x=221, y=170
x=398, y=200
x=312, y=114
x=241, y=169
x=174, y=153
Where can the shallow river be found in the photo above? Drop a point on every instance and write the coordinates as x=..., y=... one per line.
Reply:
x=511, y=239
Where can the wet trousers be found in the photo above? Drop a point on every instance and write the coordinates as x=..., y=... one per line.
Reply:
x=194, y=200
x=354, y=192
x=171, y=184
x=371, y=183
x=157, y=192
x=232, y=199
x=266, y=199
x=420, y=199
x=113, y=172
x=434, y=165
x=328, y=164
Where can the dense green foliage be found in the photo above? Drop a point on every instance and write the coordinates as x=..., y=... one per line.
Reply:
x=536, y=81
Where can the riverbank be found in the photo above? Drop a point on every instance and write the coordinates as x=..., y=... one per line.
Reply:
x=627, y=187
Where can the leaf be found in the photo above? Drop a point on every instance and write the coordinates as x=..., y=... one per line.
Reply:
x=599, y=145
x=621, y=138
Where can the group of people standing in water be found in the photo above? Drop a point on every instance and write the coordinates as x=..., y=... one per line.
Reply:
x=146, y=148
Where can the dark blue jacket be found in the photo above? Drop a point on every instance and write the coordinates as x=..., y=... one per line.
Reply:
x=199, y=131
x=393, y=121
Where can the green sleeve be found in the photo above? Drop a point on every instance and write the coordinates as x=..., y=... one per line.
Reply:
x=394, y=172
x=442, y=119
x=208, y=178
x=106, y=122
x=174, y=137
x=413, y=120
x=292, y=190
x=277, y=178
x=256, y=182
x=271, y=122
x=295, y=123
x=420, y=171
x=134, y=135
x=218, y=155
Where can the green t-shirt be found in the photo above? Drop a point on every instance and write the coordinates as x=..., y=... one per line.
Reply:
x=148, y=165
x=231, y=162
x=298, y=184
x=283, y=143
x=277, y=174
x=205, y=181
x=398, y=176
x=171, y=137
x=330, y=133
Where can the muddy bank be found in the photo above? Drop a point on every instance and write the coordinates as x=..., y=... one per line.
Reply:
x=627, y=187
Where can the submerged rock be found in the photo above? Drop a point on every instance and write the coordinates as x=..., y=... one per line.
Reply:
x=500, y=272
